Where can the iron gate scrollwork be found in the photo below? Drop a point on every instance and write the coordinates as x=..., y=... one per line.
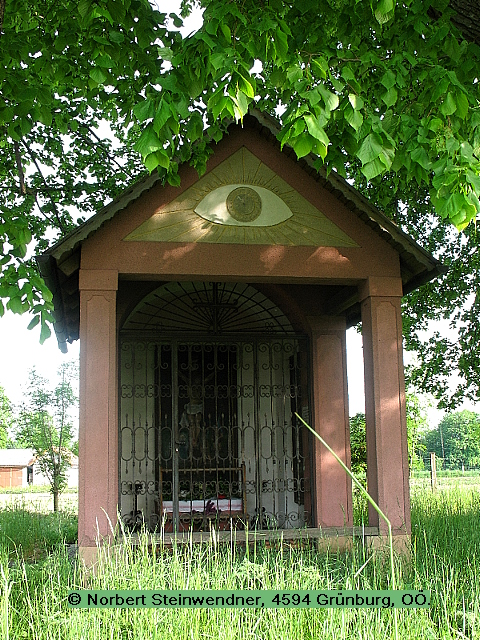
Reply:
x=208, y=433
x=207, y=427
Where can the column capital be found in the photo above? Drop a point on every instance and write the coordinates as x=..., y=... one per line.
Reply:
x=377, y=286
x=98, y=280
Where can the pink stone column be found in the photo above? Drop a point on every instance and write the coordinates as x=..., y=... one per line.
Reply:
x=387, y=454
x=98, y=435
x=333, y=491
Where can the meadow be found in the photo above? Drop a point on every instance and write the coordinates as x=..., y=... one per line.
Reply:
x=36, y=573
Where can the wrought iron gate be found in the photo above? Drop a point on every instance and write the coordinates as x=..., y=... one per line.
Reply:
x=208, y=433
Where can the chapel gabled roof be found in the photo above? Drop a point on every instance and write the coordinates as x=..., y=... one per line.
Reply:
x=59, y=265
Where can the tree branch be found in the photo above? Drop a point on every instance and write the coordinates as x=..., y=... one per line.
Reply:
x=41, y=210
x=54, y=204
x=2, y=13
x=105, y=151
x=18, y=160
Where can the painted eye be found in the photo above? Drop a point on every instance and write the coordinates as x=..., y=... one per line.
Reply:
x=243, y=205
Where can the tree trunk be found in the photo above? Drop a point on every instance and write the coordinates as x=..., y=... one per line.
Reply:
x=467, y=18
x=55, y=500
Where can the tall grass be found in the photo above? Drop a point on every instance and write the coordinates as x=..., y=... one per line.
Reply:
x=445, y=560
x=32, y=534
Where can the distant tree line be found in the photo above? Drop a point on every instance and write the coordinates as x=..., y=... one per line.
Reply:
x=455, y=441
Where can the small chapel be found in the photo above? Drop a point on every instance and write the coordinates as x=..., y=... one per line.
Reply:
x=211, y=316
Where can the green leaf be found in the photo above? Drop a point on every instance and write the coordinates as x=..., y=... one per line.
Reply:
x=370, y=149
x=162, y=115
x=448, y=106
x=354, y=118
x=104, y=61
x=33, y=323
x=241, y=105
x=116, y=36
x=452, y=145
x=165, y=53
x=84, y=7
x=226, y=31
x=475, y=119
x=452, y=206
x=15, y=305
x=320, y=149
x=144, y=110
x=246, y=87
x=220, y=106
x=474, y=180
x=347, y=73
x=320, y=66
x=355, y=101
x=384, y=11
x=373, y=169
x=278, y=77
x=435, y=124
x=98, y=75
x=388, y=79
x=330, y=99
x=151, y=162
x=462, y=104
x=466, y=152
x=177, y=21
x=148, y=142
x=459, y=220
x=99, y=12
x=302, y=145
x=316, y=130
x=218, y=60
x=337, y=85
x=390, y=97
x=44, y=332
x=419, y=155
x=173, y=179
x=473, y=199
x=194, y=127
x=294, y=74
x=156, y=159
x=281, y=43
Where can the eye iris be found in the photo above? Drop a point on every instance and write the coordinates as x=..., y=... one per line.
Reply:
x=244, y=204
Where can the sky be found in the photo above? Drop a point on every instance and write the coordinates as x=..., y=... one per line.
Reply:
x=21, y=351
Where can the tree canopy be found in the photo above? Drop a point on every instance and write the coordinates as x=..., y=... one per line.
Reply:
x=6, y=418
x=96, y=92
x=456, y=440
x=45, y=425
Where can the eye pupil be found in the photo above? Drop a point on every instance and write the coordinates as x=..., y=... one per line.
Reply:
x=244, y=204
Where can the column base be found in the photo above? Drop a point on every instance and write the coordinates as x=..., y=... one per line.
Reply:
x=402, y=544
x=88, y=556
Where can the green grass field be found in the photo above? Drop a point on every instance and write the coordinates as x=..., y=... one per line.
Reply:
x=36, y=575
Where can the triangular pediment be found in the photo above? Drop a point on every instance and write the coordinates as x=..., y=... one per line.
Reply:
x=242, y=201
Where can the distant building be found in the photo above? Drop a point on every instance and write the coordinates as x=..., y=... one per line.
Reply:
x=16, y=467
x=19, y=468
